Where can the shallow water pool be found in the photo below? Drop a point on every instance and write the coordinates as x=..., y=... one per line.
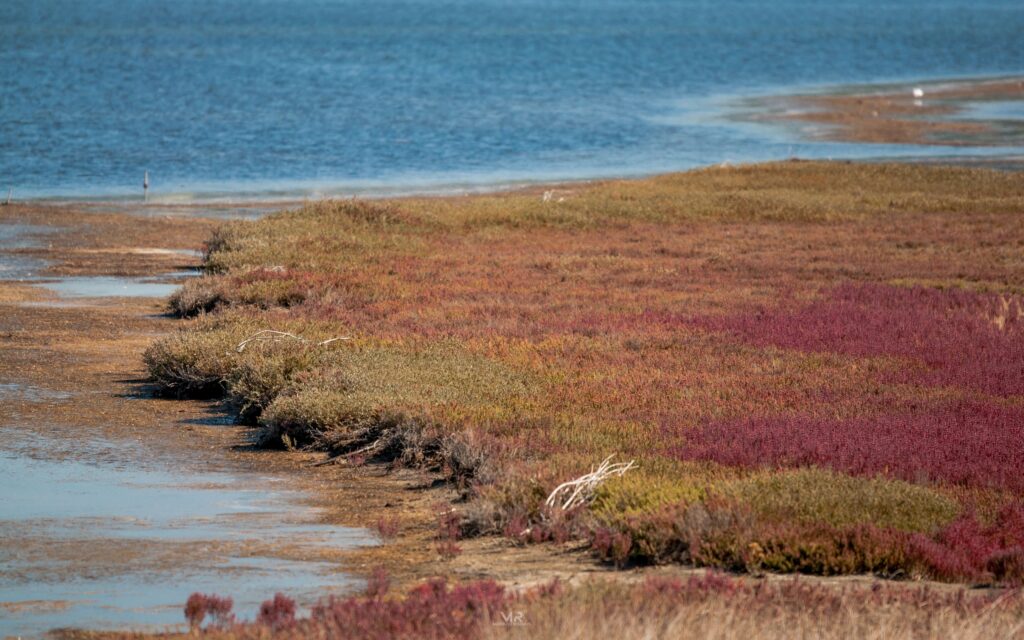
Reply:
x=108, y=287
x=103, y=541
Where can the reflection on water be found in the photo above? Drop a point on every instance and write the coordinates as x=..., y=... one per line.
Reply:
x=115, y=287
x=30, y=393
x=1011, y=111
x=106, y=544
x=23, y=236
x=156, y=604
x=70, y=289
x=14, y=236
x=108, y=287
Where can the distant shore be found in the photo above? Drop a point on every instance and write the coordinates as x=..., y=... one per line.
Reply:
x=934, y=113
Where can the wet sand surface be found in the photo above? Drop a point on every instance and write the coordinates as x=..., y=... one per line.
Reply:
x=967, y=113
x=116, y=504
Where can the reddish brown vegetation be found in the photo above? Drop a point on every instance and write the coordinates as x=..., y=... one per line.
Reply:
x=708, y=325
x=201, y=605
x=388, y=527
x=479, y=609
x=966, y=442
x=449, y=529
x=277, y=613
x=952, y=336
x=431, y=610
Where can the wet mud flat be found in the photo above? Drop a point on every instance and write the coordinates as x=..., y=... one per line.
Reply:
x=985, y=113
x=115, y=504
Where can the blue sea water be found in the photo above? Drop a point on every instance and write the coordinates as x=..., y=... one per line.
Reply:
x=304, y=97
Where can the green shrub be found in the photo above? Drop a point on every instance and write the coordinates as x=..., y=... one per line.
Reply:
x=812, y=549
x=265, y=369
x=638, y=494
x=225, y=239
x=205, y=358
x=325, y=236
x=195, y=362
x=314, y=417
x=197, y=295
x=389, y=402
x=443, y=374
x=275, y=292
x=677, y=533
x=823, y=496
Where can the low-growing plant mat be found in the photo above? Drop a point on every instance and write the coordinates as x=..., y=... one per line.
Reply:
x=706, y=605
x=817, y=367
x=567, y=383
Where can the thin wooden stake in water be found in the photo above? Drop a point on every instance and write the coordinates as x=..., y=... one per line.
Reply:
x=145, y=187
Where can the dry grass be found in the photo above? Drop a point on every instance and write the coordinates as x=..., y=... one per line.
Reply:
x=615, y=612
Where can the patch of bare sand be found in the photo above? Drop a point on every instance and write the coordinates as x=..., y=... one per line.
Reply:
x=895, y=115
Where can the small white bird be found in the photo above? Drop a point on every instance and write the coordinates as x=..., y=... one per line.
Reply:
x=918, y=92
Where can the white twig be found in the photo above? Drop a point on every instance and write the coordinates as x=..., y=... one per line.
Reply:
x=370, y=447
x=277, y=336
x=581, y=490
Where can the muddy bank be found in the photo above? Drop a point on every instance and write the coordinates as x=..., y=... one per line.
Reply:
x=116, y=505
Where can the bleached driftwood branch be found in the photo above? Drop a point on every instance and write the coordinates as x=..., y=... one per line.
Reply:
x=277, y=336
x=581, y=490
